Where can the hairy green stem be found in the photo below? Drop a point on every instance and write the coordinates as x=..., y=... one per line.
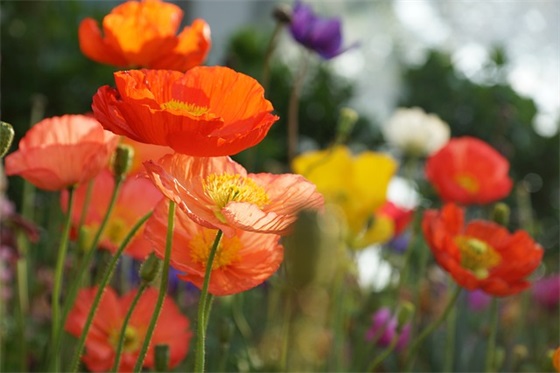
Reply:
x=490, y=365
x=162, y=289
x=104, y=281
x=203, y=308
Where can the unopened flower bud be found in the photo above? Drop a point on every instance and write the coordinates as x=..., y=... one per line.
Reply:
x=122, y=160
x=346, y=121
x=282, y=14
x=405, y=313
x=501, y=213
x=161, y=358
x=150, y=269
x=6, y=137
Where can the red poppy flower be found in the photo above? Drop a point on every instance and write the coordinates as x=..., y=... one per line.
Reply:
x=172, y=329
x=205, y=112
x=481, y=255
x=469, y=171
x=218, y=193
x=242, y=261
x=137, y=197
x=143, y=34
x=59, y=152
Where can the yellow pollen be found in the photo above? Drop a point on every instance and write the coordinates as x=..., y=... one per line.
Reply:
x=226, y=253
x=226, y=188
x=175, y=105
x=467, y=182
x=477, y=256
x=131, y=340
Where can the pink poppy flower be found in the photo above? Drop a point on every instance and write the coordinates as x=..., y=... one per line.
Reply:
x=218, y=193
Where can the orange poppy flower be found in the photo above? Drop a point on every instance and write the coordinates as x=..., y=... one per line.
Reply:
x=469, y=171
x=59, y=152
x=142, y=153
x=205, y=112
x=556, y=359
x=143, y=34
x=218, y=193
x=481, y=255
x=242, y=261
x=137, y=197
x=172, y=329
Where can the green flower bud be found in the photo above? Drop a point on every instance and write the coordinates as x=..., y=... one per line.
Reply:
x=501, y=213
x=405, y=313
x=150, y=269
x=6, y=137
x=346, y=122
x=161, y=358
x=122, y=160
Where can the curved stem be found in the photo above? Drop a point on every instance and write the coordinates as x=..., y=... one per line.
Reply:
x=382, y=356
x=141, y=289
x=491, y=349
x=104, y=281
x=203, y=308
x=162, y=289
x=56, y=319
x=430, y=328
x=450, y=341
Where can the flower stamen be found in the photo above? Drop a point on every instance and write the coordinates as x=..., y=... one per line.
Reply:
x=467, y=182
x=477, y=256
x=226, y=253
x=179, y=106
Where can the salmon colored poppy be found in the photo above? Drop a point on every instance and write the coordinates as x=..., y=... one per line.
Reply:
x=172, y=329
x=556, y=359
x=144, y=34
x=357, y=184
x=242, y=261
x=142, y=153
x=218, y=193
x=137, y=197
x=59, y=152
x=469, y=171
x=481, y=254
x=205, y=112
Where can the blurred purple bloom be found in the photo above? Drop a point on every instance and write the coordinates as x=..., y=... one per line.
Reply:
x=384, y=328
x=400, y=243
x=478, y=300
x=547, y=291
x=321, y=35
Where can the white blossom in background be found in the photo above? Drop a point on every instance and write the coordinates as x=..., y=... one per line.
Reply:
x=416, y=133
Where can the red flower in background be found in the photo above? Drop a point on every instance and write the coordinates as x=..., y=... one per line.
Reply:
x=469, y=171
x=242, y=261
x=205, y=112
x=218, y=193
x=172, y=329
x=143, y=34
x=59, y=152
x=482, y=254
x=137, y=197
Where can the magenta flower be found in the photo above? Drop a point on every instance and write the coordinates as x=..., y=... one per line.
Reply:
x=547, y=291
x=322, y=35
x=478, y=300
x=385, y=328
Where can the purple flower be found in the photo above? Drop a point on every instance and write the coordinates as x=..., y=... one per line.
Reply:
x=385, y=328
x=478, y=300
x=547, y=291
x=322, y=35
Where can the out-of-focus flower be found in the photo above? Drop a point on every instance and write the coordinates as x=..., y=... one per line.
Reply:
x=547, y=291
x=218, y=193
x=481, y=254
x=137, y=197
x=143, y=34
x=385, y=328
x=556, y=359
x=400, y=216
x=357, y=184
x=469, y=171
x=478, y=300
x=321, y=35
x=242, y=261
x=144, y=152
x=59, y=152
x=416, y=133
x=205, y=112
x=172, y=329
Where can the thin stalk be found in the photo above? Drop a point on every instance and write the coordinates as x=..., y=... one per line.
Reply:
x=430, y=328
x=491, y=348
x=451, y=330
x=203, y=308
x=104, y=281
x=59, y=270
x=141, y=289
x=268, y=54
x=162, y=288
x=83, y=215
x=293, y=109
x=383, y=355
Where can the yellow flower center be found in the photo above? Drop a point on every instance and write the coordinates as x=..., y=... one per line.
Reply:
x=116, y=231
x=226, y=253
x=477, y=256
x=467, y=182
x=226, y=188
x=175, y=105
x=131, y=340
